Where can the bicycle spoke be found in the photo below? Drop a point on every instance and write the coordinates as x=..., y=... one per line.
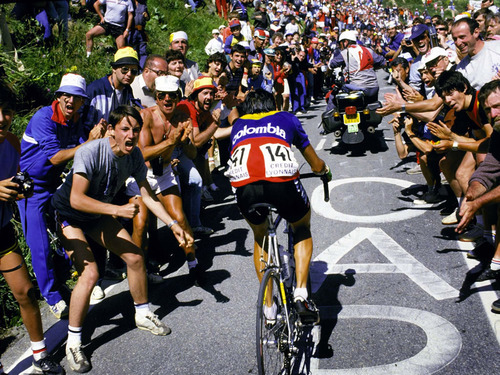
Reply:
x=272, y=335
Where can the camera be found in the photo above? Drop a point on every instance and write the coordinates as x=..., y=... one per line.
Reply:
x=25, y=183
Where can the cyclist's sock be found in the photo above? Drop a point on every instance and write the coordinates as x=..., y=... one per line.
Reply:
x=495, y=264
x=490, y=236
x=192, y=263
x=270, y=312
x=300, y=293
x=74, y=336
x=39, y=349
x=141, y=309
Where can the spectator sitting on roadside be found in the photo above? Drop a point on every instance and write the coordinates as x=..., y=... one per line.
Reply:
x=215, y=44
x=143, y=86
x=117, y=21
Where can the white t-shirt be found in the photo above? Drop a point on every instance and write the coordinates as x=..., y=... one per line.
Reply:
x=482, y=67
x=117, y=11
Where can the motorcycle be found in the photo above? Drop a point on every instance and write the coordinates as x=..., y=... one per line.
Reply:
x=350, y=114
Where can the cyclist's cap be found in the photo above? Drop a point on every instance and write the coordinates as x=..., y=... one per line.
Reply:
x=256, y=62
x=125, y=56
x=418, y=30
x=314, y=40
x=167, y=83
x=234, y=23
x=73, y=84
x=348, y=35
x=433, y=54
x=259, y=33
x=178, y=35
x=202, y=83
x=269, y=51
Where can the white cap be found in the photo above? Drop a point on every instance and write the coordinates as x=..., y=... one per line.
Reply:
x=215, y=31
x=348, y=35
x=73, y=84
x=391, y=24
x=178, y=35
x=167, y=83
x=433, y=54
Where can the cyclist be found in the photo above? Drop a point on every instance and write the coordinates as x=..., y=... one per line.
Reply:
x=263, y=169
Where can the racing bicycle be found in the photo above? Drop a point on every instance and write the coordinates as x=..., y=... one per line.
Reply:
x=277, y=339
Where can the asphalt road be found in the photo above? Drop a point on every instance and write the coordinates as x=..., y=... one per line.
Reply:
x=393, y=286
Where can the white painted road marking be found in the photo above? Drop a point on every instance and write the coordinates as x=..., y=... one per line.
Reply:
x=401, y=262
x=442, y=347
x=325, y=208
x=321, y=143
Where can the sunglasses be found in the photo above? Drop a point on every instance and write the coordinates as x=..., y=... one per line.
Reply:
x=441, y=29
x=159, y=72
x=126, y=69
x=172, y=95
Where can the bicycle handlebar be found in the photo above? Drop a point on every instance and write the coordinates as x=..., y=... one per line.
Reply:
x=324, y=178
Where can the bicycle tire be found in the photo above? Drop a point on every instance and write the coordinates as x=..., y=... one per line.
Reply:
x=273, y=356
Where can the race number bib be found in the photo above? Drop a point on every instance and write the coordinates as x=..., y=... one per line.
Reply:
x=279, y=160
x=238, y=164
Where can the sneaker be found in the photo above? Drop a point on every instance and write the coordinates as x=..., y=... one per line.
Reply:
x=488, y=274
x=97, y=293
x=76, y=358
x=495, y=306
x=433, y=196
x=201, y=230
x=60, y=309
x=205, y=195
x=451, y=219
x=154, y=278
x=48, y=366
x=415, y=170
x=307, y=310
x=472, y=233
x=150, y=322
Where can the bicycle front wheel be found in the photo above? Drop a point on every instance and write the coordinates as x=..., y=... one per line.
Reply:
x=272, y=330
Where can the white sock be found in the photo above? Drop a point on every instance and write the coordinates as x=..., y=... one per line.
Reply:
x=74, y=336
x=495, y=264
x=270, y=312
x=300, y=293
x=142, y=309
x=39, y=349
x=88, y=53
x=192, y=263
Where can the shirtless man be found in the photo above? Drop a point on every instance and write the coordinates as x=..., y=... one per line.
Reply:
x=162, y=132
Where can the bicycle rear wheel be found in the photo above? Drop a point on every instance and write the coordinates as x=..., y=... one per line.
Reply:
x=273, y=356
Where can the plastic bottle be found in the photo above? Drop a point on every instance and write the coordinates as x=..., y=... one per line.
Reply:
x=285, y=262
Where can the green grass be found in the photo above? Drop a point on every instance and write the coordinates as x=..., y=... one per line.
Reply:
x=43, y=68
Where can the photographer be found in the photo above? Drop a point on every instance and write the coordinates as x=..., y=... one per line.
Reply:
x=12, y=265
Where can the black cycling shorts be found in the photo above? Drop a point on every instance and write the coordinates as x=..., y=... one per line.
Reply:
x=113, y=30
x=290, y=198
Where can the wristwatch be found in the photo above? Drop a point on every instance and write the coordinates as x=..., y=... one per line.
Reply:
x=403, y=107
x=454, y=147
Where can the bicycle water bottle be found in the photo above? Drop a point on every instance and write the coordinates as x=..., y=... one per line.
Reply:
x=285, y=262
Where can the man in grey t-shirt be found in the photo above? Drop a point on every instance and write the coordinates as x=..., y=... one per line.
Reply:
x=84, y=209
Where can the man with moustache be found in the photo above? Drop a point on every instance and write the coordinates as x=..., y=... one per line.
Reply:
x=161, y=134
x=49, y=142
x=205, y=124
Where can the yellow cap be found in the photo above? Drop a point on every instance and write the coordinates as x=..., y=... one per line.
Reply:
x=125, y=56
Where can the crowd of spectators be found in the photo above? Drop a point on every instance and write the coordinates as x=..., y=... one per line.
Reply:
x=446, y=72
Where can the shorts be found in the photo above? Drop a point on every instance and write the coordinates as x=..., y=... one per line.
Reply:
x=113, y=30
x=289, y=198
x=9, y=243
x=158, y=183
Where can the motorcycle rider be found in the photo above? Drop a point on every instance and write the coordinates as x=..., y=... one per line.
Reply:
x=359, y=65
